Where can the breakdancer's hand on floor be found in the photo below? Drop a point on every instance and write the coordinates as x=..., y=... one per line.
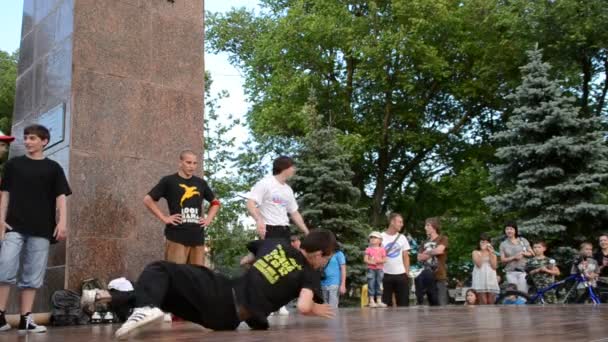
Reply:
x=307, y=306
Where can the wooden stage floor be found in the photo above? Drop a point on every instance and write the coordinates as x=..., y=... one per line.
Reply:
x=453, y=323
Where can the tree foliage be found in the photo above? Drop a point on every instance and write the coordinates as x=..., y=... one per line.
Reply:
x=8, y=78
x=228, y=235
x=416, y=89
x=327, y=197
x=413, y=86
x=553, y=160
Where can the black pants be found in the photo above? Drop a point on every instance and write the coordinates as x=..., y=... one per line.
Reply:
x=396, y=284
x=191, y=292
x=278, y=233
x=426, y=285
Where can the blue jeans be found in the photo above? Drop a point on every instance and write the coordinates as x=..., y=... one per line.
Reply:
x=33, y=251
x=330, y=295
x=374, y=282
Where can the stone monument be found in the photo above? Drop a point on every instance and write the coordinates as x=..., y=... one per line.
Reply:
x=120, y=85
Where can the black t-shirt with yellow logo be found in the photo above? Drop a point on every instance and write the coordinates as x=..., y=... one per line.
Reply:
x=185, y=197
x=277, y=276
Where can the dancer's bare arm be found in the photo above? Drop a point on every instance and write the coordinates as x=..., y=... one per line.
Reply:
x=299, y=221
x=306, y=306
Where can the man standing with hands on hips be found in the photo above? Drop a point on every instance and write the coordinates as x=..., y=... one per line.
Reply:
x=271, y=203
x=185, y=223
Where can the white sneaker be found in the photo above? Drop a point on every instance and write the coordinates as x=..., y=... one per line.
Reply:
x=139, y=318
x=27, y=325
x=96, y=317
x=168, y=318
x=5, y=327
x=108, y=317
x=380, y=305
x=283, y=311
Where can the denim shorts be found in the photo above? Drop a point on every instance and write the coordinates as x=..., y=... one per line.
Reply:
x=33, y=251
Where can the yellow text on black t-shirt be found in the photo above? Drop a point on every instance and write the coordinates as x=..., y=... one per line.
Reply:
x=276, y=265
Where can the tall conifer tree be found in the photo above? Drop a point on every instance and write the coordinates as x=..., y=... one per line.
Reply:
x=554, y=161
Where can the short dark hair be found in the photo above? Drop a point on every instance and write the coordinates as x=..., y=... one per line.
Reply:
x=39, y=131
x=281, y=164
x=512, y=225
x=435, y=223
x=483, y=237
x=586, y=243
x=540, y=242
x=320, y=240
x=294, y=237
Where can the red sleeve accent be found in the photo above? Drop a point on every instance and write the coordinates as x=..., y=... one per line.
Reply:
x=215, y=202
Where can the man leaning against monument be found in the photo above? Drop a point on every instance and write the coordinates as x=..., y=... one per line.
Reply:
x=185, y=224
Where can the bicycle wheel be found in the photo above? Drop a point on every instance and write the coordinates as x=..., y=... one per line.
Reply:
x=567, y=292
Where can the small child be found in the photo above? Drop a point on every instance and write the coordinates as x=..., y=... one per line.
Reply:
x=587, y=265
x=542, y=270
x=375, y=257
x=471, y=298
x=513, y=299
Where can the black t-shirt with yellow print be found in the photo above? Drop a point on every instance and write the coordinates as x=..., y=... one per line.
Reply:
x=276, y=277
x=185, y=197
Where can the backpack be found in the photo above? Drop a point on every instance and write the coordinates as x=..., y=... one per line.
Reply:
x=66, y=309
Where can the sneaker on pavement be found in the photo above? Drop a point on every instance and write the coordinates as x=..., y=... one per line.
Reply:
x=4, y=326
x=96, y=317
x=139, y=318
x=168, y=318
x=283, y=311
x=380, y=305
x=108, y=317
x=27, y=325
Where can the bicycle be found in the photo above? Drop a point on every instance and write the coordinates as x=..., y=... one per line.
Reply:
x=565, y=293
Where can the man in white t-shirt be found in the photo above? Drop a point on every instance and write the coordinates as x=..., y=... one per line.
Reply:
x=397, y=265
x=271, y=202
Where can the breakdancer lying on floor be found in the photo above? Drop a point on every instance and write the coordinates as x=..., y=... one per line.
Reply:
x=280, y=274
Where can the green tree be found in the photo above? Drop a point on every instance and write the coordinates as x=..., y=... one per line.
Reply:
x=553, y=161
x=383, y=72
x=8, y=77
x=227, y=235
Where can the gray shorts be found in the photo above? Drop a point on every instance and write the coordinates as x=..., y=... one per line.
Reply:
x=34, y=253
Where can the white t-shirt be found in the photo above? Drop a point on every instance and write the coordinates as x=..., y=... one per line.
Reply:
x=394, y=253
x=274, y=200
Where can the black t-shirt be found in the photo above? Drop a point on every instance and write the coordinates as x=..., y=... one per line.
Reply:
x=34, y=186
x=601, y=258
x=185, y=197
x=277, y=276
